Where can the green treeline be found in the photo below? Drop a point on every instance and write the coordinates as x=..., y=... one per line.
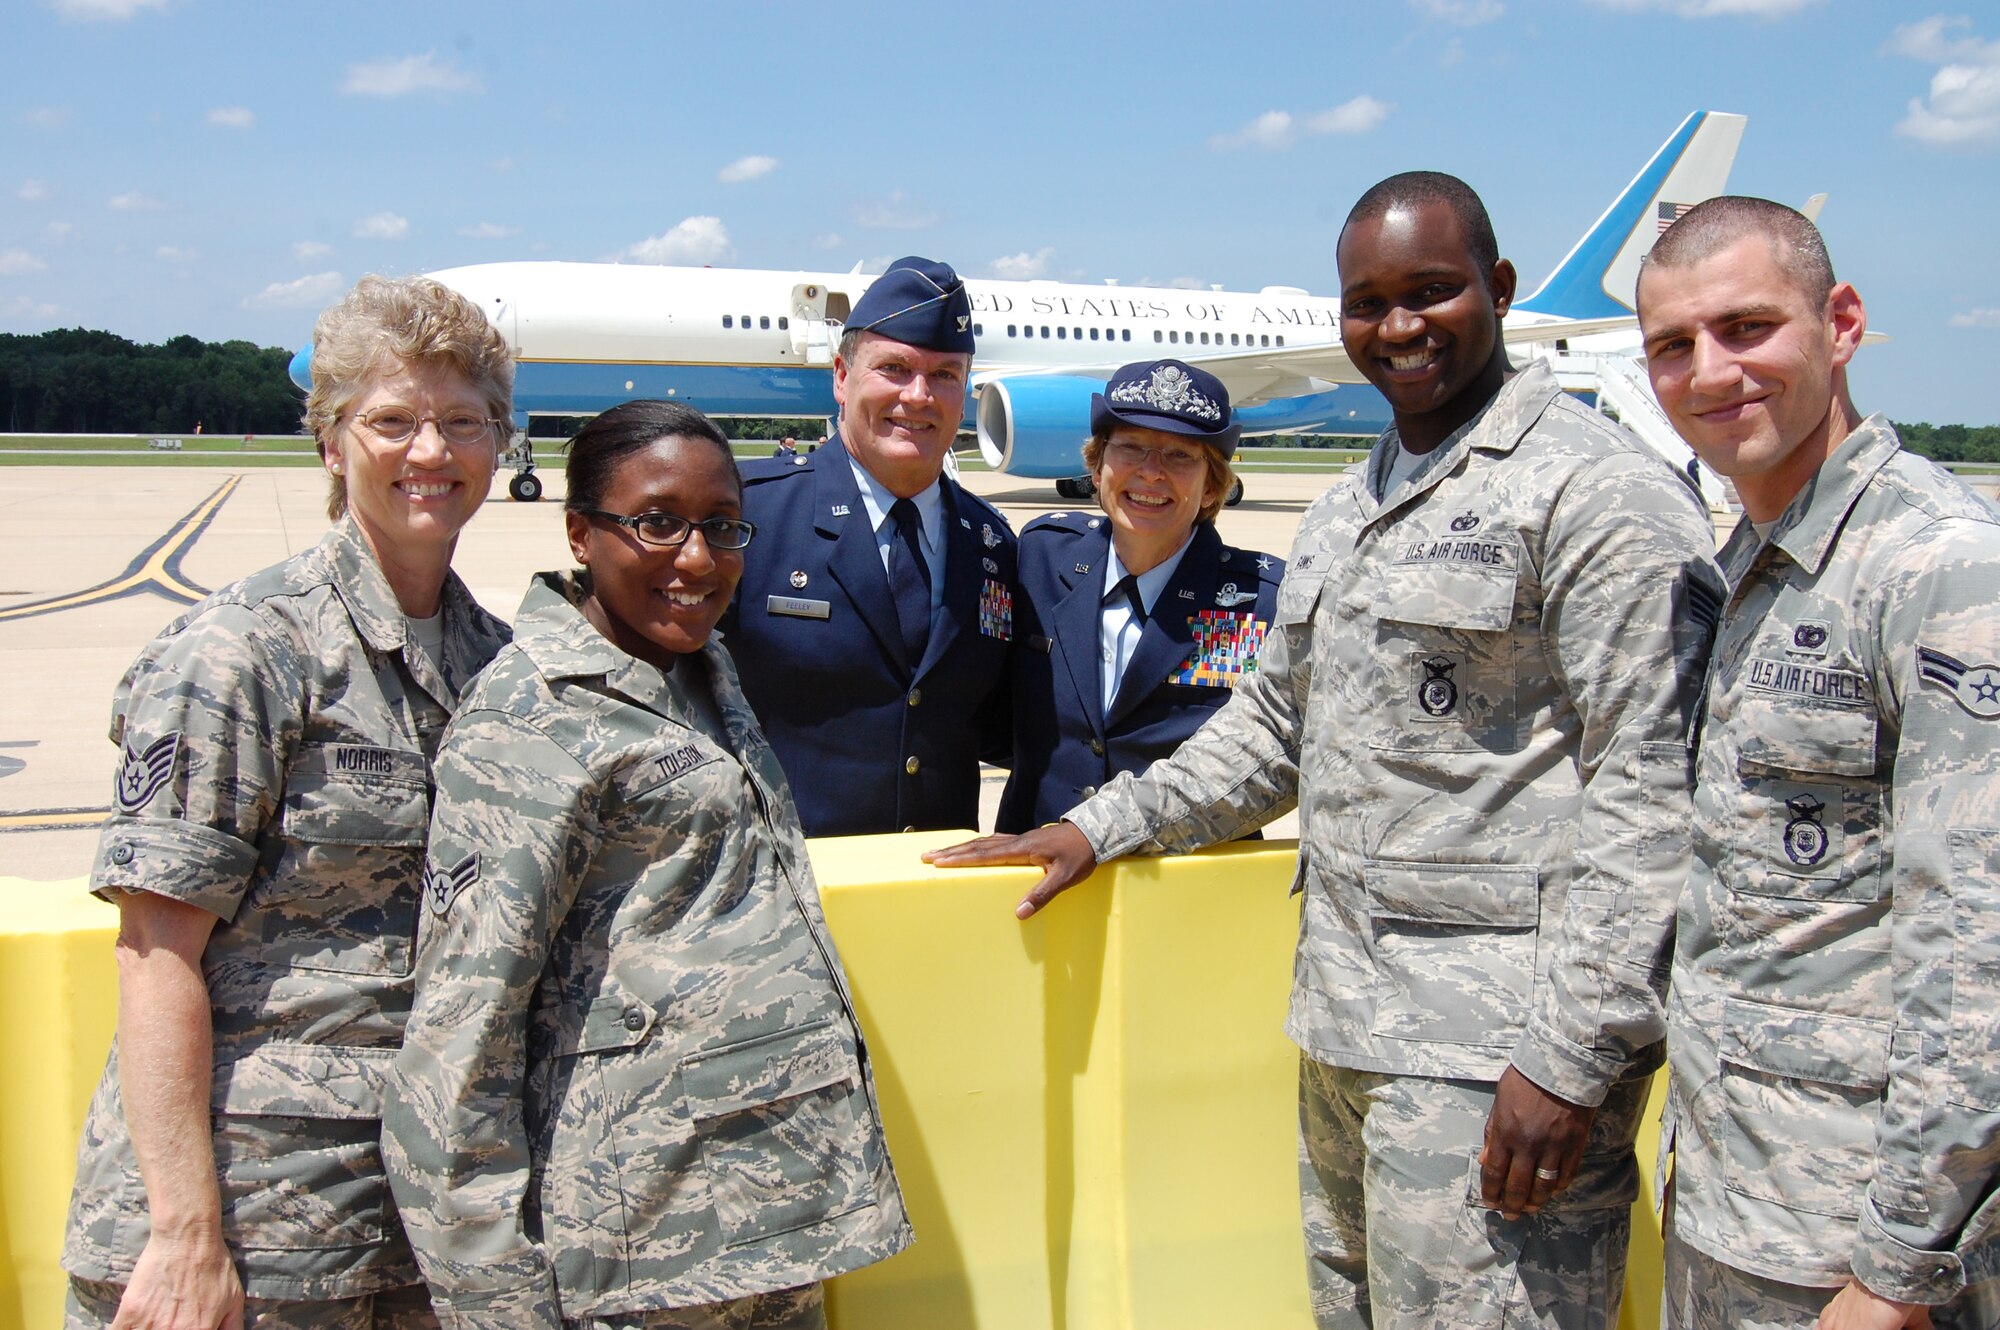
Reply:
x=75, y=381
x=1952, y=443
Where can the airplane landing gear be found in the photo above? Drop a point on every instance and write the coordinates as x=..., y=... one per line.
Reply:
x=525, y=487
x=1075, y=488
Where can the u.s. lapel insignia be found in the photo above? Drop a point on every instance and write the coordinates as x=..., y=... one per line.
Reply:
x=840, y=510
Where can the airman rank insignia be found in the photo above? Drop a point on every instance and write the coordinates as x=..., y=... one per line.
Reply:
x=986, y=535
x=1805, y=834
x=1225, y=649
x=1229, y=597
x=1810, y=635
x=1465, y=521
x=1436, y=693
x=996, y=610
x=444, y=885
x=1974, y=687
x=143, y=773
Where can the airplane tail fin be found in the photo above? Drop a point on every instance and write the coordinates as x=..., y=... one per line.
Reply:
x=1598, y=276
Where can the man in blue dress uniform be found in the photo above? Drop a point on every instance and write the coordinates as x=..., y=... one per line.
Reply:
x=1136, y=621
x=872, y=625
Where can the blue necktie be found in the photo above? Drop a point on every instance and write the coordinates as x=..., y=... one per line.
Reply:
x=910, y=582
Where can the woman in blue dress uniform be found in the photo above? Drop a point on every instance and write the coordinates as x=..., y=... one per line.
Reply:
x=1136, y=621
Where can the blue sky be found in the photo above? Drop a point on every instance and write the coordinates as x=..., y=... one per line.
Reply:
x=226, y=167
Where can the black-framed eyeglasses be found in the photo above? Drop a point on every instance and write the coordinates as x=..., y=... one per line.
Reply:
x=666, y=529
x=399, y=424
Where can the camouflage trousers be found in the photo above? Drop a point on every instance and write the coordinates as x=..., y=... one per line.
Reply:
x=1701, y=1293
x=1395, y=1233
x=801, y=1308
x=91, y=1306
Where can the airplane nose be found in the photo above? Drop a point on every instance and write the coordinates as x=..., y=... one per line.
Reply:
x=301, y=368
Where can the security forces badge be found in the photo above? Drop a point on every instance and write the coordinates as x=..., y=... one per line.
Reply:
x=1437, y=695
x=1976, y=688
x=1805, y=835
x=442, y=885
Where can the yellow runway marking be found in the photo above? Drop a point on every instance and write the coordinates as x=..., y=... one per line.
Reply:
x=156, y=569
x=53, y=819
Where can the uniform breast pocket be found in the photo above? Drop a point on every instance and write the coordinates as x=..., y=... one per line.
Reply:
x=780, y=1140
x=1808, y=776
x=344, y=896
x=1455, y=947
x=1444, y=656
x=1802, y=1092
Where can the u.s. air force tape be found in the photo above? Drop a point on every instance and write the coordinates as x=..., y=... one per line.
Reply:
x=798, y=608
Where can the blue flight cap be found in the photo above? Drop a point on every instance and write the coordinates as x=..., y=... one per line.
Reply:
x=919, y=303
x=1168, y=395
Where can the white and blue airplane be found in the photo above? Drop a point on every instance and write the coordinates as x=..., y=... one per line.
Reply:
x=749, y=342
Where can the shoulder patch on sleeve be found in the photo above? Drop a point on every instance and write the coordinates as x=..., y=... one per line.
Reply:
x=142, y=773
x=443, y=886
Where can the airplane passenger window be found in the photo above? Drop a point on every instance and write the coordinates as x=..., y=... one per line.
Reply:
x=728, y=322
x=1174, y=337
x=1079, y=334
x=1011, y=330
x=1232, y=339
x=1045, y=330
x=1062, y=332
x=746, y=323
x=1281, y=339
x=1093, y=334
x=1204, y=339
x=979, y=330
x=1156, y=335
x=783, y=323
x=764, y=321
x=1128, y=334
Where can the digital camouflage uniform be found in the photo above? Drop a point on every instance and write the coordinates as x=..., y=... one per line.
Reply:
x=634, y=1078
x=276, y=747
x=1836, y=1002
x=1478, y=690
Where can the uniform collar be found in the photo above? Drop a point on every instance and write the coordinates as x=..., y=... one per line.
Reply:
x=1813, y=520
x=1151, y=582
x=876, y=498
x=1498, y=428
x=551, y=631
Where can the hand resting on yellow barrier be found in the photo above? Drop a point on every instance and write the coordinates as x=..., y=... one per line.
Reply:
x=1059, y=850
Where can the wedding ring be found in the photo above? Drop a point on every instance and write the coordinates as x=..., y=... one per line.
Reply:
x=1548, y=1174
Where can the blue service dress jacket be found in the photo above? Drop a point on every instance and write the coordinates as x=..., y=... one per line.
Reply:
x=871, y=742
x=1201, y=636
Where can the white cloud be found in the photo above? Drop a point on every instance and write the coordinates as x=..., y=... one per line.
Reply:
x=1020, y=267
x=175, y=254
x=746, y=168
x=135, y=202
x=300, y=293
x=1464, y=13
x=692, y=240
x=488, y=231
x=47, y=117
x=1963, y=107
x=232, y=117
x=103, y=9
x=21, y=307
x=1275, y=130
x=1714, y=8
x=310, y=249
x=389, y=77
x=32, y=191
x=58, y=232
x=382, y=226
x=1174, y=283
x=14, y=262
x=830, y=240
x=1977, y=318
x=895, y=213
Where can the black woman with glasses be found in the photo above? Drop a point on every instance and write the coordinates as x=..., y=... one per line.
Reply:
x=1138, y=620
x=633, y=1086
x=266, y=854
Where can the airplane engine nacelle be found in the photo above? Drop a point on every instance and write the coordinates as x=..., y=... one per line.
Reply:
x=1035, y=425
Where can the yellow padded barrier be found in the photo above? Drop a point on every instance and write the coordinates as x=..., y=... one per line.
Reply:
x=1093, y=1114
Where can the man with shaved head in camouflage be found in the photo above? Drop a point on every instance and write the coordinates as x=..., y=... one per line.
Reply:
x=1835, y=1015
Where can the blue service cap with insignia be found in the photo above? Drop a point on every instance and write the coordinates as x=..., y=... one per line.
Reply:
x=917, y=302
x=1168, y=395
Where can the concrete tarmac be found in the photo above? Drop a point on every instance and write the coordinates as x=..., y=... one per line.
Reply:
x=95, y=560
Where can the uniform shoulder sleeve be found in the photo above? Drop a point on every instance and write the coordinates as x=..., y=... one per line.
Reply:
x=206, y=722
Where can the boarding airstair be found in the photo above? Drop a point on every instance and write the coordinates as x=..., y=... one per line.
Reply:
x=1624, y=394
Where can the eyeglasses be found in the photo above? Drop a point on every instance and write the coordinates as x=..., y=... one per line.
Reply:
x=1172, y=458
x=399, y=424
x=665, y=529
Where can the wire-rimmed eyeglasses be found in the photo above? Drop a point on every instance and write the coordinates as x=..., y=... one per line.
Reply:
x=399, y=424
